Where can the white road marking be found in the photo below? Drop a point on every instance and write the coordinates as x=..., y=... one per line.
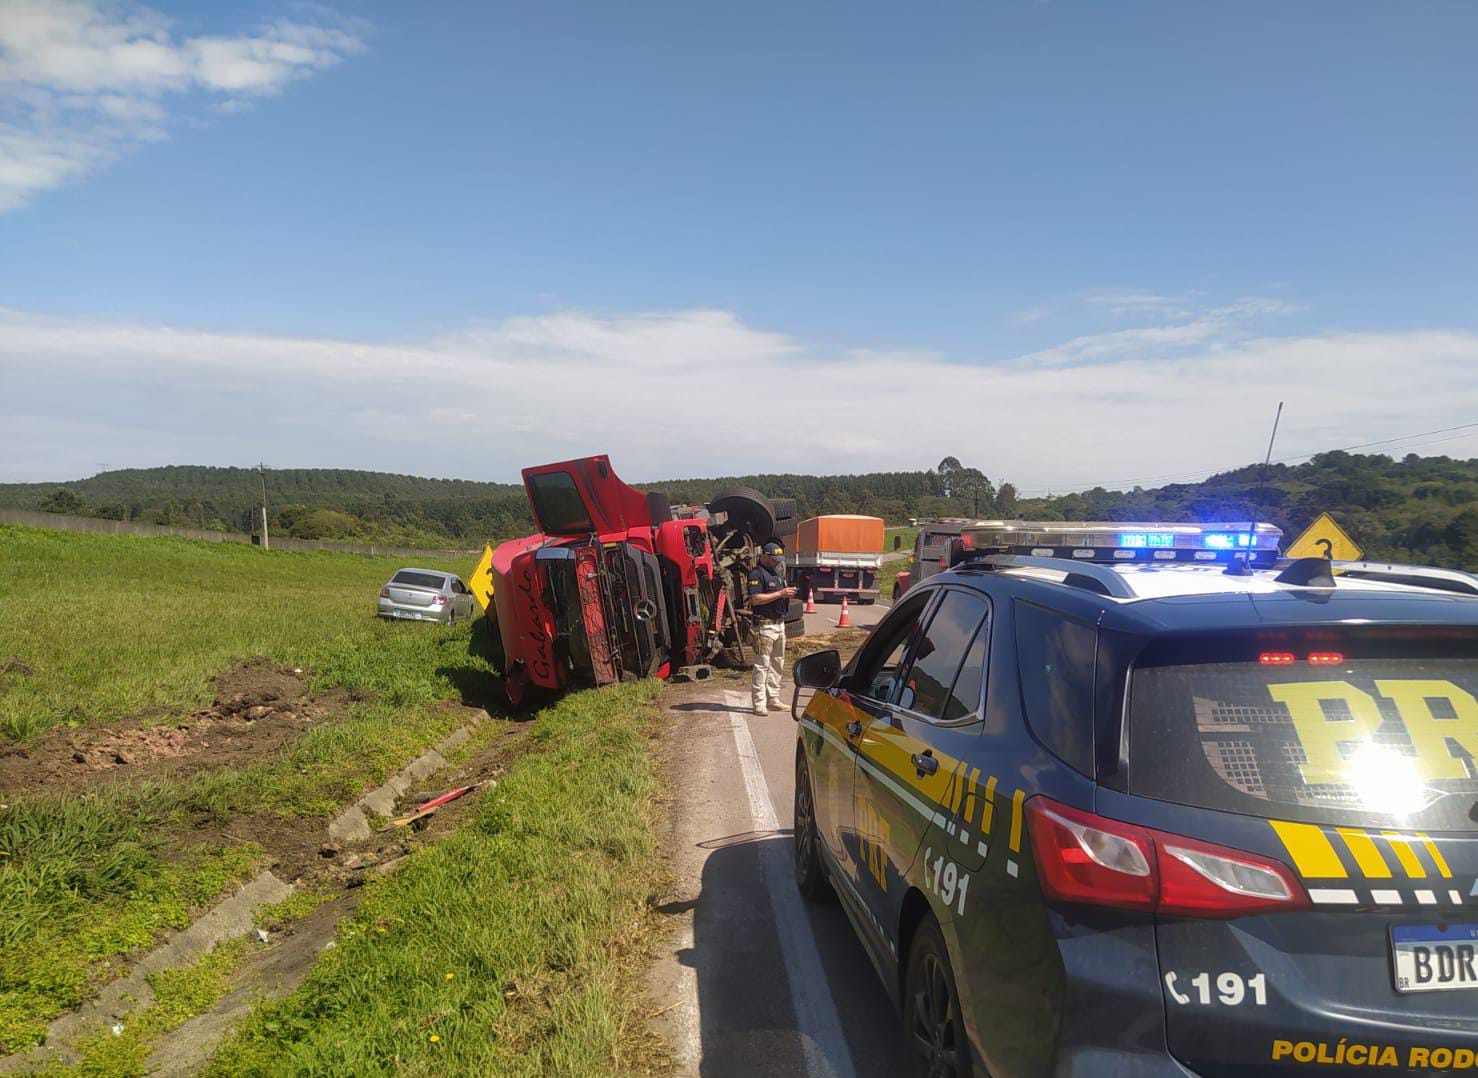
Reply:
x=826, y=1052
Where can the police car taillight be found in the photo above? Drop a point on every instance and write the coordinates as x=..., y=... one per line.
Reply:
x=1082, y=858
x=1086, y=858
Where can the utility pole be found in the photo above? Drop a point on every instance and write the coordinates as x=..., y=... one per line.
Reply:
x=262, y=472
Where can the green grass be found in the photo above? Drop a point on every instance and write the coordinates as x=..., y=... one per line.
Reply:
x=65, y=922
x=86, y=877
x=179, y=995
x=506, y=948
x=909, y=537
x=117, y=626
x=89, y=877
x=888, y=574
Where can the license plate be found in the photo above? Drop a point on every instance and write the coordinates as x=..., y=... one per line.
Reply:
x=1435, y=958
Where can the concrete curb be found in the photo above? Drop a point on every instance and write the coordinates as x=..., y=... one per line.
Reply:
x=228, y=919
x=233, y=916
x=352, y=825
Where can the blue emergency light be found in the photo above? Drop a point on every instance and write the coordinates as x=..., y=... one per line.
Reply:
x=1226, y=540
x=1149, y=540
x=1149, y=543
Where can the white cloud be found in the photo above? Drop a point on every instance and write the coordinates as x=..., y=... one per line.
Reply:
x=82, y=81
x=691, y=393
x=1188, y=327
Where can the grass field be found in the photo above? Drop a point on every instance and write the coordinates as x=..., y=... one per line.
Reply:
x=507, y=948
x=503, y=946
x=108, y=627
x=118, y=626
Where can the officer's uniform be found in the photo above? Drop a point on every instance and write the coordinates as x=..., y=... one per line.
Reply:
x=769, y=638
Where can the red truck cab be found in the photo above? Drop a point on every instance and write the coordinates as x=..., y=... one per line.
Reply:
x=612, y=587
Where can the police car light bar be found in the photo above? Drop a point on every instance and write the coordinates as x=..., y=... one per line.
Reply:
x=1114, y=542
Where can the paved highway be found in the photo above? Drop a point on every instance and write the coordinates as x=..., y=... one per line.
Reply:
x=753, y=980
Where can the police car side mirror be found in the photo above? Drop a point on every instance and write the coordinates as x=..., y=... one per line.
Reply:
x=819, y=670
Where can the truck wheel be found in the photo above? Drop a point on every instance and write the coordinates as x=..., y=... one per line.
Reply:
x=796, y=629
x=785, y=527
x=748, y=511
x=784, y=508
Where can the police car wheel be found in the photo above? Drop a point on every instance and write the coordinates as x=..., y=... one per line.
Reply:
x=931, y=1009
x=810, y=874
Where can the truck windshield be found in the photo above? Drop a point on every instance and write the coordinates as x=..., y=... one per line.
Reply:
x=1320, y=730
x=558, y=505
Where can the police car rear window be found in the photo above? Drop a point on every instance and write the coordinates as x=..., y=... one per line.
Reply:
x=1315, y=728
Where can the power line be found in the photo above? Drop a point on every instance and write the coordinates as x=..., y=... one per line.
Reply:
x=1206, y=473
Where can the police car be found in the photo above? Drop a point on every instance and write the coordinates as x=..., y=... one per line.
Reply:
x=1112, y=799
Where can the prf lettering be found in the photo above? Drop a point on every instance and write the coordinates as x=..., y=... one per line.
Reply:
x=1321, y=737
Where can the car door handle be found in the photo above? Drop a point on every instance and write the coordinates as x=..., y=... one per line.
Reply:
x=854, y=729
x=925, y=763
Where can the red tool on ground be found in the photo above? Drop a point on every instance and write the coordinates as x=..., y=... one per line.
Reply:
x=426, y=808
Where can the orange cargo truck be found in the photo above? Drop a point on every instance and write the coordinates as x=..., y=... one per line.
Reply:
x=837, y=555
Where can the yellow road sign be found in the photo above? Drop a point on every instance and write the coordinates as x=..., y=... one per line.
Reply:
x=480, y=583
x=1325, y=539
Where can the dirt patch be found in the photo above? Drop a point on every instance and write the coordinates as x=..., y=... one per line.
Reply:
x=13, y=665
x=299, y=850
x=844, y=640
x=259, y=708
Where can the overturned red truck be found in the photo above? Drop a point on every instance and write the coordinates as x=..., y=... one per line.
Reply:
x=618, y=584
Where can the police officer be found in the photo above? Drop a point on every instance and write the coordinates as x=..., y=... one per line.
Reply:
x=769, y=600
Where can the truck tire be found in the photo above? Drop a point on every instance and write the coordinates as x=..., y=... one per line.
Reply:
x=785, y=527
x=785, y=508
x=748, y=511
x=796, y=629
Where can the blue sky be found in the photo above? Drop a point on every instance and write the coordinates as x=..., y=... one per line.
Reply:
x=521, y=223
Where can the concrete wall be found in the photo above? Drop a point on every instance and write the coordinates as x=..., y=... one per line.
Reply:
x=98, y=526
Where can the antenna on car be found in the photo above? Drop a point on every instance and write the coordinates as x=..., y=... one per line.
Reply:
x=1243, y=566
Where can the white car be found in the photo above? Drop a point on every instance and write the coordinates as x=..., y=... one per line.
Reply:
x=426, y=595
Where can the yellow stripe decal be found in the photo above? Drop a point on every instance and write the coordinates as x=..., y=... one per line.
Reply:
x=1016, y=799
x=1409, y=861
x=988, y=809
x=1366, y=853
x=1437, y=858
x=954, y=805
x=1310, y=849
x=974, y=795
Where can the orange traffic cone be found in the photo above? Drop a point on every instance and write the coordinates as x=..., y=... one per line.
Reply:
x=810, y=607
x=845, y=621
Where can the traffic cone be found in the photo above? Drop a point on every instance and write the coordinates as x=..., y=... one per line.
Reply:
x=845, y=621
x=810, y=607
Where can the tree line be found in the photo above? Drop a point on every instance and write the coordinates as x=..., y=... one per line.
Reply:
x=1422, y=509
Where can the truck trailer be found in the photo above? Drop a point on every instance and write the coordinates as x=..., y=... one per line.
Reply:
x=837, y=556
